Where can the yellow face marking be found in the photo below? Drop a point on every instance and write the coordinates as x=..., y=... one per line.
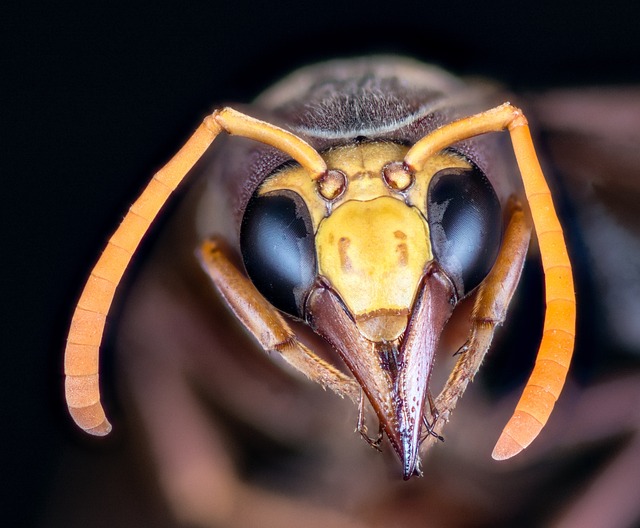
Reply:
x=374, y=254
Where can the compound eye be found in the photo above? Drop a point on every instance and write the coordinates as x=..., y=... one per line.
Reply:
x=278, y=249
x=465, y=220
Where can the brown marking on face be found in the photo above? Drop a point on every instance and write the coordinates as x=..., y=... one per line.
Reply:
x=343, y=247
x=402, y=251
x=401, y=235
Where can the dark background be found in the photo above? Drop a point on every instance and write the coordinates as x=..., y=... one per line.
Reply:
x=95, y=99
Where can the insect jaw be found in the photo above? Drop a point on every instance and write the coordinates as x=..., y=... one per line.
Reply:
x=393, y=374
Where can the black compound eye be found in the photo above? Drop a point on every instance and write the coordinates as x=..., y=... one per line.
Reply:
x=278, y=249
x=465, y=219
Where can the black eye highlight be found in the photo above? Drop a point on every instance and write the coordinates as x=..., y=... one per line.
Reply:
x=465, y=220
x=278, y=249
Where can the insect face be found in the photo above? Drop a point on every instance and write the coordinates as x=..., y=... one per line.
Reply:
x=373, y=246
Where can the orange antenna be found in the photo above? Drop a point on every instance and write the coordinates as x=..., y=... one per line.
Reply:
x=556, y=348
x=87, y=325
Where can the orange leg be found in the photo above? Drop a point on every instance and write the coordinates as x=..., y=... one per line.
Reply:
x=89, y=318
x=554, y=355
x=266, y=324
x=489, y=311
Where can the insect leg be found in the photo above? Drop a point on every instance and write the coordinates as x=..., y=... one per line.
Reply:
x=429, y=426
x=266, y=324
x=364, y=430
x=489, y=311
